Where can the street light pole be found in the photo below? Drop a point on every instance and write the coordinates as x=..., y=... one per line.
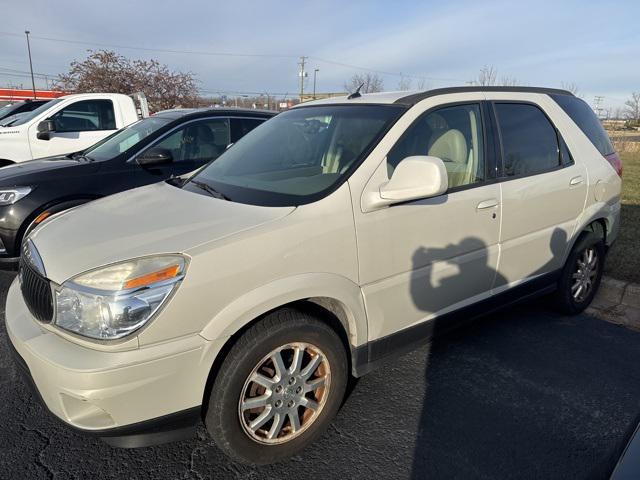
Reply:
x=33, y=82
x=314, y=82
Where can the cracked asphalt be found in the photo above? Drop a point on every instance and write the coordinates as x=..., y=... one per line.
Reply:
x=525, y=393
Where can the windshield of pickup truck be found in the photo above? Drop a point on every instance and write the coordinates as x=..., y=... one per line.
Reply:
x=298, y=156
x=28, y=116
x=6, y=109
x=124, y=139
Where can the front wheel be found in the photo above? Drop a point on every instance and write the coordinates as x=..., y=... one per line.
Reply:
x=581, y=274
x=278, y=388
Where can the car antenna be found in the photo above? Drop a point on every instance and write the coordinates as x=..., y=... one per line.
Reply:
x=357, y=93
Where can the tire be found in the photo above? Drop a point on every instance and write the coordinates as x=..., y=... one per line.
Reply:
x=570, y=299
x=229, y=418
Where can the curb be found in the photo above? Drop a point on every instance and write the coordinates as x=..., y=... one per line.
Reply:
x=617, y=302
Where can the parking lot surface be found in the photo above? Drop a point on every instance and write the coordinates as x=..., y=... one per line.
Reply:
x=521, y=394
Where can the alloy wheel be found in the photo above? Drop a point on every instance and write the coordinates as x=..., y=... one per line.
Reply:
x=585, y=274
x=285, y=393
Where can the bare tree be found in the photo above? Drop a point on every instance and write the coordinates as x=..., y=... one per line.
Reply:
x=422, y=84
x=370, y=82
x=618, y=114
x=509, y=81
x=487, y=76
x=570, y=87
x=107, y=71
x=632, y=108
x=404, y=83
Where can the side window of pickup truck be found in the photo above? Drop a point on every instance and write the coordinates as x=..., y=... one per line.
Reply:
x=85, y=116
x=453, y=134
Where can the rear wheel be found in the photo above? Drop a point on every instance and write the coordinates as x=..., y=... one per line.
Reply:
x=581, y=274
x=278, y=388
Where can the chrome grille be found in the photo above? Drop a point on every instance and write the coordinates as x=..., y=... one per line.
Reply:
x=36, y=292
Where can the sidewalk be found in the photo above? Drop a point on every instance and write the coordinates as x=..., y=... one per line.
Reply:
x=617, y=302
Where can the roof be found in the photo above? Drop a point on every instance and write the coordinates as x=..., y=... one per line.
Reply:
x=95, y=94
x=176, y=113
x=409, y=98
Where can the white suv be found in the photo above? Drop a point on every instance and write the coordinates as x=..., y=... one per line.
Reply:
x=337, y=234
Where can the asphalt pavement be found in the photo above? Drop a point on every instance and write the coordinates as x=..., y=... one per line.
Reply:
x=525, y=393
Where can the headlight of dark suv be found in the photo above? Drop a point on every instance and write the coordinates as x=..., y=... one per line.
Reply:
x=9, y=196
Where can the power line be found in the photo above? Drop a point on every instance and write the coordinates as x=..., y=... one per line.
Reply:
x=12, y=70
x=382, y=72
x=159, y=50
x=238, y=54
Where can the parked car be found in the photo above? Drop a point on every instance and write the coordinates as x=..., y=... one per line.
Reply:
x=66, y=124
x=149, y=151
x=338, y=234
x=20, y=107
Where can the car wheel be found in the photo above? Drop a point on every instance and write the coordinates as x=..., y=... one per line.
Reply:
x=278, y=388
x=581, y=274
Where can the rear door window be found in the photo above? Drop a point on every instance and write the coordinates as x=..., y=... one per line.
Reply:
x=587, y=121
x=529, y=140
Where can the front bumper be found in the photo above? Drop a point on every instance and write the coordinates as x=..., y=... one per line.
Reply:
x=9, y=263
x=129, y=398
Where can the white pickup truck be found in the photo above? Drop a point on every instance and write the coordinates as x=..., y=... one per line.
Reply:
x=67, y=124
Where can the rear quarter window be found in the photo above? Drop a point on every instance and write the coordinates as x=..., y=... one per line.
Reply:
x=587, y=121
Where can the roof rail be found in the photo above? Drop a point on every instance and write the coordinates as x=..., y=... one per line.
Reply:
x=417, y=97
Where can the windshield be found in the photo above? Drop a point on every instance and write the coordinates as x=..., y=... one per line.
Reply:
x=299, y=155
x=124, y=139
x=28, y=116
x=6, y=109
x=11, y=119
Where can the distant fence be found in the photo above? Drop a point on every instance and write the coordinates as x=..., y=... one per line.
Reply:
x=625, y=143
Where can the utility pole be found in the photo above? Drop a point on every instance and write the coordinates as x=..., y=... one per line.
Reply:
x=597, y=105
x=315, y=72
x=302, y=75
x=33, y=82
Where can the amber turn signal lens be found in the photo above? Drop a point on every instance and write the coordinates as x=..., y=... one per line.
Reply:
x=164, y=274
x=41, y=217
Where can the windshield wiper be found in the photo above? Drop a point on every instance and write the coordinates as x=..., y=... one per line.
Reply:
x=210, y=190
x=82, y=157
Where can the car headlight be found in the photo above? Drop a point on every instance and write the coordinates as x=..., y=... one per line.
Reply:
x=9, y=196
x=111, y=302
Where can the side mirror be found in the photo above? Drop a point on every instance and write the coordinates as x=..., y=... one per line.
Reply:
x=45, y=128
x=415, y=178
x=155, y=156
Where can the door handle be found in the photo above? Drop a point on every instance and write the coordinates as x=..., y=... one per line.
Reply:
x=576, y=180
x=491, y=203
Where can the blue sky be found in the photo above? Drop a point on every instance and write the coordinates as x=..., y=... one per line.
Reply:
x=592, y=44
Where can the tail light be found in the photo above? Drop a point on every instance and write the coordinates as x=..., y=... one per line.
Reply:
x=616, y=163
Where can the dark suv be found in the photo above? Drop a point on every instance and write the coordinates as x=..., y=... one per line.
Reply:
x=170, y=143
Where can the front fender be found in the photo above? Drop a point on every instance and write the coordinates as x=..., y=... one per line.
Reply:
x=268, y=297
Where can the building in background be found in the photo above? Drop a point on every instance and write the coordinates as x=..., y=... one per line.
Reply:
x=320, y=95
x=8, y=95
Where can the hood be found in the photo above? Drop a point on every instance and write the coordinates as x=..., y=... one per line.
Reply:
x=155, y=219
x=12, y=172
